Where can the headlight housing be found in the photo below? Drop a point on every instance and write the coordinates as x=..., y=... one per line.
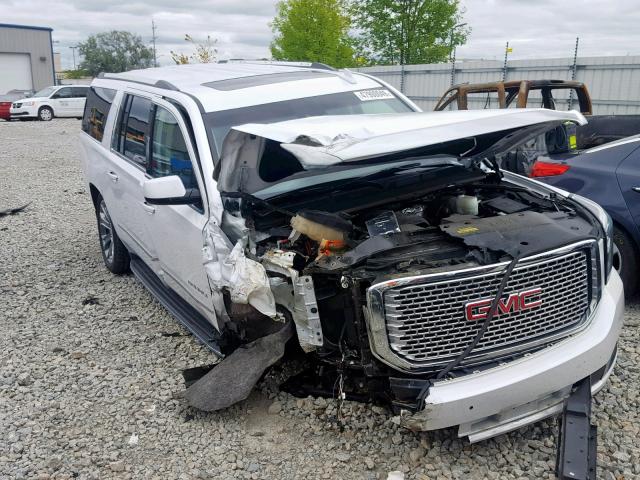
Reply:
x=606, y=243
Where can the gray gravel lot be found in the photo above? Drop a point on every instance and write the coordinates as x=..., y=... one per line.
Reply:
x=90, y=370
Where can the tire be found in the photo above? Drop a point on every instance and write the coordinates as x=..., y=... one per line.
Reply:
x=45, y=114
x=625, y=261
x=114, y=253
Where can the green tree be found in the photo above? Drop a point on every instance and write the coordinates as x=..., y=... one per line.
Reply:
x=407, y=31
x=312, y=31
x=115, y=51
x=75, y=74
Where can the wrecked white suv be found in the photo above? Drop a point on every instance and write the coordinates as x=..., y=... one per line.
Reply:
x=268, y=203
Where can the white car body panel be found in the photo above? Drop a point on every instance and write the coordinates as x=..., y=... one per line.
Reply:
x=343, y=138
x=488, y=401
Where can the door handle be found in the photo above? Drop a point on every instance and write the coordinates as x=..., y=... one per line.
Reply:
x=112, y=176
x=150, y=209
x=636, y=189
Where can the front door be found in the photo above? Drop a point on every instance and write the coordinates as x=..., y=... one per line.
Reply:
x=177, y=230
x=61, y=102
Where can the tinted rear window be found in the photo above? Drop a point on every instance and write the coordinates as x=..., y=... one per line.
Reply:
x=79, y=92
x=133, y=129
x=96, y=110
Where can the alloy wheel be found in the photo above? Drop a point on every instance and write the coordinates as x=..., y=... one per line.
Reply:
x=105, y=229
x=46, y=114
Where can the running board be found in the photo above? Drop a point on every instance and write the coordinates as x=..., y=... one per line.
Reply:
x=188, y=316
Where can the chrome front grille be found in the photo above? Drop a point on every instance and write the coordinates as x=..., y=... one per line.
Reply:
x=424, y=317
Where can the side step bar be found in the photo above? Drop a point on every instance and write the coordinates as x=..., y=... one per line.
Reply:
x=188, y=316
x=576, y=459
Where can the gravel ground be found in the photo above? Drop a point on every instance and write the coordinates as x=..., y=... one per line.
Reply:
x=90, y=370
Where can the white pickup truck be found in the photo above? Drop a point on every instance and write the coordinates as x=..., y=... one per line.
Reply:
x=267, y=203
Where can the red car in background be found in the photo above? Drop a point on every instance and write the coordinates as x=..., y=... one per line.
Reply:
x=8, y=98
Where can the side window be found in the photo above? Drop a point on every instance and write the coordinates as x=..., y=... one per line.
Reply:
x=79, y=92
x=96, y=110
x=132, y=132
x=62, y=93
x=169, y=153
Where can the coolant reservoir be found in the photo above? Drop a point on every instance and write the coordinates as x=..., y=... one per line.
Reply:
x=467, y=205
x=320, y=226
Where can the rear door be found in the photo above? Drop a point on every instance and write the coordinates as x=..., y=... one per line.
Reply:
x=177, y=230
x=127, y=170
x=77, y=101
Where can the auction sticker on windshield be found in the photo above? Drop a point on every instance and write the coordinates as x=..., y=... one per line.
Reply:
x=379, y=94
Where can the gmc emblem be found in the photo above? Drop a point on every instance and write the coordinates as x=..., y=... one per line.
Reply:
x=516, y=302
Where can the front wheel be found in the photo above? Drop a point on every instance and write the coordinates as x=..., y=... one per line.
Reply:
x=45, y=114
x=114, y=253
x=625, y=261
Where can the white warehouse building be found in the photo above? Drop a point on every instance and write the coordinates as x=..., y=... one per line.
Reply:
x=26, y=58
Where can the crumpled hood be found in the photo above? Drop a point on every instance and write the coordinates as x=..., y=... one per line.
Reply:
x=319, y=142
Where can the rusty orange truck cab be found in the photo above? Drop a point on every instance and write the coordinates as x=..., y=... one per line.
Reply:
x=516, y=93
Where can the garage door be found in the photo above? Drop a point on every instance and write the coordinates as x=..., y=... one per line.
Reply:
x=16, y=72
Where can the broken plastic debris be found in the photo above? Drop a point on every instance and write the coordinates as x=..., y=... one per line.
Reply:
x=232, y=380
x=133, y=439
x=13, y=211
x=395, y=475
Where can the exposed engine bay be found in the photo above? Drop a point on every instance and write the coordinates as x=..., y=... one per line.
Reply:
x=386, y=248
x=320, y=263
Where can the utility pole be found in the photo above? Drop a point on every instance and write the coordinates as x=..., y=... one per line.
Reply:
x=504, y=67
x=73, y=49
x=403, y=45
x=452, y=54
x=574, y=71
x=153, y=39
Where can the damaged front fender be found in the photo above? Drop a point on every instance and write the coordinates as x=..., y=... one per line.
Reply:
x=228, y=268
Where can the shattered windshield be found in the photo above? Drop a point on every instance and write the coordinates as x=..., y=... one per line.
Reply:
x=344, y=103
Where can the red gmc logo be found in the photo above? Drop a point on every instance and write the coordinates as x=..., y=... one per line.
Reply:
x=516, y=302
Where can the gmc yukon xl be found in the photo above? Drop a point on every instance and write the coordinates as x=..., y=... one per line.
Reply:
x=267, y=204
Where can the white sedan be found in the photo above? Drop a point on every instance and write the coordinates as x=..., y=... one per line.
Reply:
x=56, y=101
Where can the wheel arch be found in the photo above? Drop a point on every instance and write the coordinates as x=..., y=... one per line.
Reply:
x=46, y=105
x=95, y=194
x=620, y=226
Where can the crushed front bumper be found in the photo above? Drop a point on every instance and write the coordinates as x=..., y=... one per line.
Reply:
x=504, y=398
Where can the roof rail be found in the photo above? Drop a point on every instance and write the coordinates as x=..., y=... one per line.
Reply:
x=344, y=74
x=315, y=65
x=163, y=84
x=166, y=85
